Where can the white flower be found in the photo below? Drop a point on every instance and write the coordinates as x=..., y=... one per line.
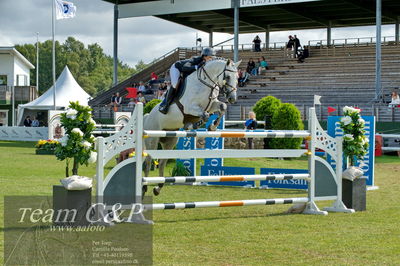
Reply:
x=364, y=140
x=351, y=109
x=64, y=140
x=71, y=113
x=361, y=121
x=346, y=120
x=348, y=137
x=93, y=157
x=77, y=131
x=91, y=120
x=86, y=144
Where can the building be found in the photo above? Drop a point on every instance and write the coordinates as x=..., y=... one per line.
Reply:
x=14, y=76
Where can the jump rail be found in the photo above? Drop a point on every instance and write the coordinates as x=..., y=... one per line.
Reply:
x=126, y=178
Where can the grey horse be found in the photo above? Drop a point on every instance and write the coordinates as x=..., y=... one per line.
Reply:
x=198, y=101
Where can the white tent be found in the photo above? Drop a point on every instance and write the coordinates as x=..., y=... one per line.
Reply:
x=67, y=89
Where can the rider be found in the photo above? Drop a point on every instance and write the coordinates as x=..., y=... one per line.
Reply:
x=186, y=67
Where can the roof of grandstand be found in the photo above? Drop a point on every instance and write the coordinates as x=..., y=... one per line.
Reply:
x=279, y=17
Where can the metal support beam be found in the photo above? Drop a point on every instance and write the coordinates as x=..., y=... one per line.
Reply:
x=115, y=46
x=236, y=31
x=397, y=30
x=267, y=31
x=378, y=70
x=210, y=39
x=329, y=33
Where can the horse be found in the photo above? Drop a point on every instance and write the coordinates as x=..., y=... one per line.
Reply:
x=193, y=108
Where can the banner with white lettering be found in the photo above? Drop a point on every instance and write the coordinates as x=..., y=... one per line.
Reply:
x=367, y=164
x=226, y=170
x=251, y=3
x=289, y=184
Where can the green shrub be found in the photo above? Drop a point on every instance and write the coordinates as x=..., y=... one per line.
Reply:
x=150, y=105
x=287, y=117
x=180, y=170
x=266, y=107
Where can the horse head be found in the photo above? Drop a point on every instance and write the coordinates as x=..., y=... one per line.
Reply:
x=230, y=81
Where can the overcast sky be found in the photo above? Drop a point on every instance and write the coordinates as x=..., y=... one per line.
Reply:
x=142, y=38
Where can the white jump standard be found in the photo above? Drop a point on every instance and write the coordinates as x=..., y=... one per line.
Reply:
x=124, y=182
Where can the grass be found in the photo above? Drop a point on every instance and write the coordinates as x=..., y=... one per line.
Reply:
x=257, y=235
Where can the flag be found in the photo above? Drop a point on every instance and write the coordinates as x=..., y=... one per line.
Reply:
x=316, y=99
x=64, y=9
x=331, y=109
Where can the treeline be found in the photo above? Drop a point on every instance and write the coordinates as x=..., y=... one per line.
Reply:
x=92, y=69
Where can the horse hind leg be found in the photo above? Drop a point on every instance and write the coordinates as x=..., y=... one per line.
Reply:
x=167, y=144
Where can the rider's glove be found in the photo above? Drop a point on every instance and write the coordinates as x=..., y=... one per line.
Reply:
x=196, y=67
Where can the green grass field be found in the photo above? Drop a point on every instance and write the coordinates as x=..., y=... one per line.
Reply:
x=257, y=235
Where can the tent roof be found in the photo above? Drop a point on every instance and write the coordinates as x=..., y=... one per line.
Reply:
x=67, y=89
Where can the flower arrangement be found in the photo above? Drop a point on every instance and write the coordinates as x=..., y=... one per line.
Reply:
x=48, y=145
x=78, y=142
x=355, y=143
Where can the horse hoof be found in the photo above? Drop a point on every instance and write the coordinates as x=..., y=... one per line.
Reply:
x=188, y=126
x=156, y=191
x=205, y=116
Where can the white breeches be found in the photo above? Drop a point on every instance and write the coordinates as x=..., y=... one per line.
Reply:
x=174, y=74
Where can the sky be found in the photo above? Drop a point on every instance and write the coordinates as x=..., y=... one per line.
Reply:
x=143, y=38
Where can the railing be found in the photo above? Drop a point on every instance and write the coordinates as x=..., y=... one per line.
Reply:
x=351, y=41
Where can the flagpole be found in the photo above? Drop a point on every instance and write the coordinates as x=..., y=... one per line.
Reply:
x=54, y=56
x=37, y=62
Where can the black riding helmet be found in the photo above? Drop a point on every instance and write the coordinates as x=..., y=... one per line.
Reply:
x=207, y=51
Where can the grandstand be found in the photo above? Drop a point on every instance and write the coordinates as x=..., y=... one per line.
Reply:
x=344, y=74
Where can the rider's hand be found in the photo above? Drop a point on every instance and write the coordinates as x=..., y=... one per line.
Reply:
x=196, y=67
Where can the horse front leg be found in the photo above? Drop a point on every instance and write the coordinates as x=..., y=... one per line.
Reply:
x=218, y=108
x=198, y=111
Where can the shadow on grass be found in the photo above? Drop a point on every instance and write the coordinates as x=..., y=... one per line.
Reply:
x=221, y=218
x=17, y=144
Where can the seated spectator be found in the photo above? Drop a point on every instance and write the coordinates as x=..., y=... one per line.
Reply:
x=254, y=72
x=243, y=77
x=153, y=76
x=141, y=98
x=35, y=122
x=395, y=99
x=28, y=121
x=302, y=54
x=141, y=88
x=263, y=65
x=162, y=89
x=131, y=103
x=250, y=66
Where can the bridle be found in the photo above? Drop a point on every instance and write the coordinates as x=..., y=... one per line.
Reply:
x=215, y=85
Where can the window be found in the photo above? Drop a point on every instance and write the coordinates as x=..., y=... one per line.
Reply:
x=22, y=80
x=3, y=79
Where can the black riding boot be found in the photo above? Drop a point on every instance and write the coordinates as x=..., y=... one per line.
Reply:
x=169, y=97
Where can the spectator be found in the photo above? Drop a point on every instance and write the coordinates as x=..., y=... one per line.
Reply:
x=141, y=88
x=131, y=103
x=243, y=77
x=289, y=46
x=116, y=103
x=28, y=121
x=302, y=54
x=263, y=65
x=251, y=124
x=297, y=45
x=35, y=122
x=256, y=67
x=162, y=89
x=141, y=98
x=153, y=76
x=257, y=42
x=395, y=99
x=250, y=66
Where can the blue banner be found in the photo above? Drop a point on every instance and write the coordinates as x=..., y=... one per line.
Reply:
x=367, y=164
x=214, y=144
x=224, y=170
x=187, y=144
x=290, y=184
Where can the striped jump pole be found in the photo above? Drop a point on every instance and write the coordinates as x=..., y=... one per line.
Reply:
x=231, y=203
x=226, y=134
x=226, y=178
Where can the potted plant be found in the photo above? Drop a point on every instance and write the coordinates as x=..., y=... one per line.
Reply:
x=76, y=147
x=355, y=147
x=46, y=146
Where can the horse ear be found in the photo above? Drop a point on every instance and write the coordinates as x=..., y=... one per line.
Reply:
x=237, y=64
x=228, y=62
